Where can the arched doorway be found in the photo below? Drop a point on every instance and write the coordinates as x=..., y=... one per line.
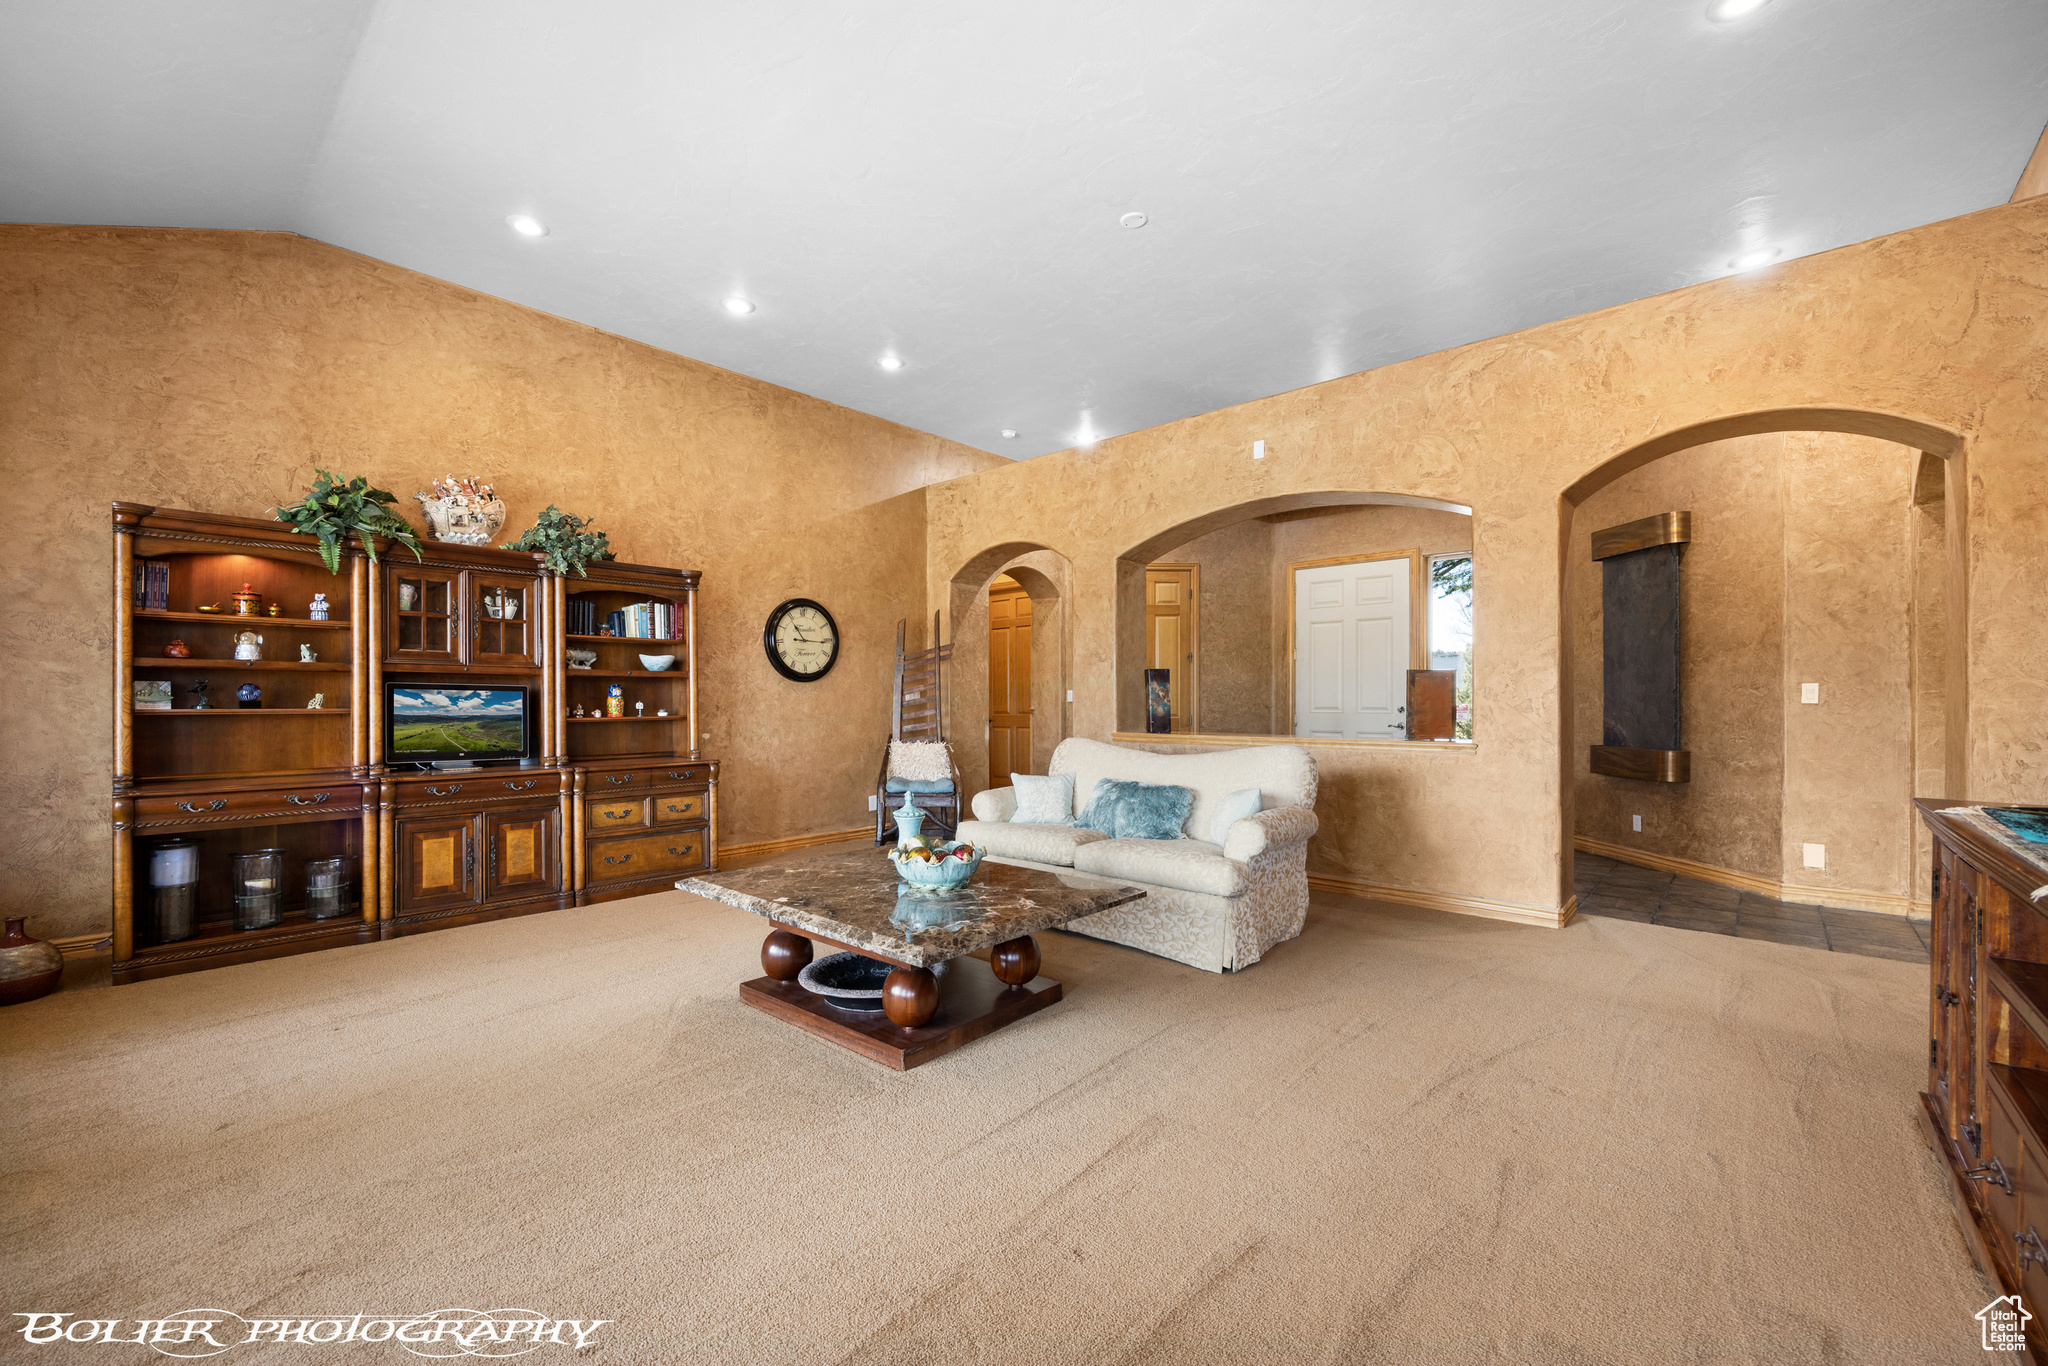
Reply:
x=1043, y=580
x=1823, y=654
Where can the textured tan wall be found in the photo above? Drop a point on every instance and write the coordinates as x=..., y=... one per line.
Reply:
x=214, y=369
x=1848, y=627
x=1732, y=671
x=1235, y=609
x=1939, y=326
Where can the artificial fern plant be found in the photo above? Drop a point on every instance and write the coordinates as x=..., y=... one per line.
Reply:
x=563, y=543
x=335, y=508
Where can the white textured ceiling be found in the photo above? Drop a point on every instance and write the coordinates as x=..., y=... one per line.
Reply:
x=1331, y=187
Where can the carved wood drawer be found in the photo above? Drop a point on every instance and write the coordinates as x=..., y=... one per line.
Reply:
x=601, y=813
x=296, y=803
x=601, y=782
x=674, y=808
x=472, y=788
x=617, y=860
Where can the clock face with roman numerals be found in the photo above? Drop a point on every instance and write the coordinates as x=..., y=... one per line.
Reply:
x=802, y=640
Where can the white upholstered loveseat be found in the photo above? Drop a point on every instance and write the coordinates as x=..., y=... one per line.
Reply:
x=1217, y=907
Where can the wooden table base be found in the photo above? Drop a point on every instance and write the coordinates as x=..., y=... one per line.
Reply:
x=972, y=1002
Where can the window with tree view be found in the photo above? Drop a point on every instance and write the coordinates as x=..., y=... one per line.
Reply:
x=1450, y=627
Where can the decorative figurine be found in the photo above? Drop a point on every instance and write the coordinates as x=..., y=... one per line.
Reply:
x=249, y=697
x=198, y=690
x=248, y=602
x=276, y=609
x=639, y=709
x=662, y=712
x=306, y=655
x=248, y=645
x=318, y=611
x=177, y=649
x=615, y=700
x=463, y=511
x=319, y=701
x=209, y=607
x=583, y=659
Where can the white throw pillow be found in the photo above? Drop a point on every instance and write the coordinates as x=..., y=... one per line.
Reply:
x=1231, y=810
x=923, y=760
x=1043, y=800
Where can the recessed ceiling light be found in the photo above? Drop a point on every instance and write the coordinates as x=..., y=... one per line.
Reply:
x=738, y=305
x=1751, y=260
x=527, y=225
x=890, y=362
x=1728, y=11
x=1009, y=431
x=1133, y=220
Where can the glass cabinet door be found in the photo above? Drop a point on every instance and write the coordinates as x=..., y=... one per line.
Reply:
x=501, y=620
x=425, y=606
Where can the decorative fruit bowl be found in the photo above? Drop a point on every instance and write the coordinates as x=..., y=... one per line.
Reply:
x=943, y=866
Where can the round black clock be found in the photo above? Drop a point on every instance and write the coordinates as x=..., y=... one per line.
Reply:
x=802, y=640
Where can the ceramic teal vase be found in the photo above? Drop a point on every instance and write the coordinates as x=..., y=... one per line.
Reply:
x=909, y=822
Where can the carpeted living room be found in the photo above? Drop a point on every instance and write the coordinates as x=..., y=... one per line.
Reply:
x=1155, y=685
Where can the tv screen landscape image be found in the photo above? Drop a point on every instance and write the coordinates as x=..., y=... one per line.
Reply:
x=466, y=722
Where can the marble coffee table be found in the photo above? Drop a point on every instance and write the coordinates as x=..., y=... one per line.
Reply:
x=852, y=899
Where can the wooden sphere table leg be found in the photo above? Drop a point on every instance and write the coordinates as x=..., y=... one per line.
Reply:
x=784, y=955
x=1015, y=961
x=910, y=997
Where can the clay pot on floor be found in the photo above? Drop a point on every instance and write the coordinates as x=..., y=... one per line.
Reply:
x=28, y=967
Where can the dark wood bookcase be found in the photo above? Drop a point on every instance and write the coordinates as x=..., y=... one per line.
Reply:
x=606, y=808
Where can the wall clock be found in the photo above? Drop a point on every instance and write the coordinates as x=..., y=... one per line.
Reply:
x=802, y=640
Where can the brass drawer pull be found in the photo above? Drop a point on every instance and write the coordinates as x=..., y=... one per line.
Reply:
x=517, y=786
x=620, y=815
x=685, y=774
x=210, y=806
x=1993, y=1173
x=623, y=858
x=614, y=778
x=681, y=810
x=683, y=852
x=296, y=800
x=445, y=791
x=2031, y=1248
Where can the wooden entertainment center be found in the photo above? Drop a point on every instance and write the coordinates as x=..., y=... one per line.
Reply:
x=603, y=806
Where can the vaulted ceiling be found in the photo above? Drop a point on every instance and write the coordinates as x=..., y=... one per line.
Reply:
x=1327, y=187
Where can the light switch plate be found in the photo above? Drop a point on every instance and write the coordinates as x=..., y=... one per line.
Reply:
x=1809, y=692
x=1639, y=825
x=1258, y=450
x=1070, y=694
x=1816, y=855
x=871, y=801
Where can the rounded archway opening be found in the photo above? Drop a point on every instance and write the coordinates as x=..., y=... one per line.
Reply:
x=1821, y=661
x=1043, y=577
x=1297, y=616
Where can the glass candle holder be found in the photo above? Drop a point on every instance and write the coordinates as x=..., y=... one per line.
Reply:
x=329, y=884
x=173, y=889
x=259, y=889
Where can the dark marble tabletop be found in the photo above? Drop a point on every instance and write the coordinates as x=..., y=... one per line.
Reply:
x=855, y=898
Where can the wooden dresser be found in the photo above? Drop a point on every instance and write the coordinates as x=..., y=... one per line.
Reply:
x=613, y=799
x=1986, y=1103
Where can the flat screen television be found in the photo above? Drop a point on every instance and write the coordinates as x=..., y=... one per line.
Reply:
x=454, y=725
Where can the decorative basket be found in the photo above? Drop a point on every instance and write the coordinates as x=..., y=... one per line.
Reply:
x=463, y=521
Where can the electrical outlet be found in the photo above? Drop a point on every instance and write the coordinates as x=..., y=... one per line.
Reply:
x=871, y=801
x=1070, y=694
x=1258, y=450
x=1809, y=692
x=1639, y=824
x=1816, y=855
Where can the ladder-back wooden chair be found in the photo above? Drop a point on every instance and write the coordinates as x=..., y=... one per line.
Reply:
x=917, y=760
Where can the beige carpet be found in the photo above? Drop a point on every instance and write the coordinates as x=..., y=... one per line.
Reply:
x=1404, y=1137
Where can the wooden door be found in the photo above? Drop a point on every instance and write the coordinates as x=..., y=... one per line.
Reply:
x=426, y=612
x=1009, y=684
x=1171, y=632
x=437, y=862
x=521, y=857
x=501, y=619
x=1354, y=642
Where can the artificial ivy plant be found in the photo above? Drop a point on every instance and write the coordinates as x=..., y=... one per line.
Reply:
x=335, y=508
x=563, y=542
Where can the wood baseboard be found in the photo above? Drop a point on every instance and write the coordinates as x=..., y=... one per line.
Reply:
x=1552, y=918
x=84, y=945
x=1849, y=900
x=783, y=846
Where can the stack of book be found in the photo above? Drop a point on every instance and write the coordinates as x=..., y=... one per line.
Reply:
x=640, y=621
x=153, y=587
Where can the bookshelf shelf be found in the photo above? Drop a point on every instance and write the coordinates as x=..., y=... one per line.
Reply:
x=242, y=623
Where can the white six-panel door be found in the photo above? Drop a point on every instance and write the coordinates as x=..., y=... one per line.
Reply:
x=1351, y=633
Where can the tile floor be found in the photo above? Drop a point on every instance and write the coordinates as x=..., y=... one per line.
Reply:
x=1627, y=892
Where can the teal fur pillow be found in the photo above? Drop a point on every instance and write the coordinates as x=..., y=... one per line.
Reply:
x=1137, y=811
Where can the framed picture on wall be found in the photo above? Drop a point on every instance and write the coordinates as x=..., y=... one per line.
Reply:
x=1159, y=701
